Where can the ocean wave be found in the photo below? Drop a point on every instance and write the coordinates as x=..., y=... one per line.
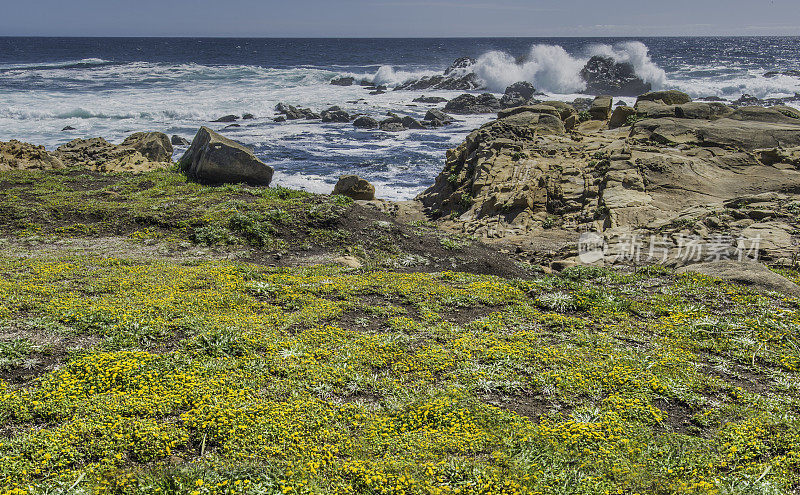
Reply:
x=83, y=63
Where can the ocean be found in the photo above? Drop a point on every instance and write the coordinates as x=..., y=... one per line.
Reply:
x=112, y=87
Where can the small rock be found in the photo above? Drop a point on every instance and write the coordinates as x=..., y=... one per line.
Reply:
x=354, y=187
x=227, y=118
x=365, y=122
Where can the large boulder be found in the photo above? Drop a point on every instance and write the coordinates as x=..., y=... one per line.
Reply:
x=436, y=115
x=669, y=97
x=601, y=108
x=725, y=132
x=749, y=273
x=16, y=155
x=215, y=159
x=604, y=76
x=620, y=116
x=471, y=104
x=354, y=187
x=155, y=146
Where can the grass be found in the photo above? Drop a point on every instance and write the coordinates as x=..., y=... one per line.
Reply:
x=226, y=377
x=161, y=205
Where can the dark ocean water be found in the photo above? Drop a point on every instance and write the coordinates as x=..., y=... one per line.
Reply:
x=111, y=87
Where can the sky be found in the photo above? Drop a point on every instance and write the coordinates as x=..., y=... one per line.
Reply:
x=398, y=18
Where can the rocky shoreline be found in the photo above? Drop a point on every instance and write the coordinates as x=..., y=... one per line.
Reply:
x=646, y=180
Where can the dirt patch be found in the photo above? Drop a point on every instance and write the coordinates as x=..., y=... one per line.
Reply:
x=679, y=416
x=532, y=407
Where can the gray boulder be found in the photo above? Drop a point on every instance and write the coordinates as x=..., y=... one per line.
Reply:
x=227, y=118
x=215, y=159
x=354, y=187
x=435, y=114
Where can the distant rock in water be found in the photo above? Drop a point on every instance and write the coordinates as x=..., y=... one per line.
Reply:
x=457, y=77
x=248, y=116
x=215, y=159
x=776, y=73
x=16, y=155
x=227, y=118
x=68, y=128
x=471, y=104
x=343, y=81
x=354, y=187
x=365, y=122
x=522, y=88
x=430, y=99
x=294, y=113
x=604, y=76
x=335, y=114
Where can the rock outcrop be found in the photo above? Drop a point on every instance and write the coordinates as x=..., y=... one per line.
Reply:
x=726, y=180
x=365, y=122
x=214, y=159
x=294, y=113
x=604, y=76
x=354, y=187
x=155, y=146
x=335, y=114
x=457, y=77
x=140, y=152
x=343, y=81
x=16, y=155
x=471, y=104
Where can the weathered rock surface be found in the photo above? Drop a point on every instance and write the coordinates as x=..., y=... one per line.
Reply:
x=215, y=159
x=294, y=113
x=140, y=152
x=727, y=180
x=179, y=141
x=471, y=104
x=669, y=97
x=604, y=76
x=335, y=114
x=155, y=146
x=16, y=155
x=343, y=81
x=748, y=273
x=354, y=187
x=458, y=77
x=365, y=122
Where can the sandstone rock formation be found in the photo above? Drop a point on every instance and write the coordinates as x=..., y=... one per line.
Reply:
x=16, y=155
x=140, y=152
x=215, y=159
x=727, y=180
x=354, y=187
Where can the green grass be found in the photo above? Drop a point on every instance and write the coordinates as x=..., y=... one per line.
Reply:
x=236, y=378
x=161, y=204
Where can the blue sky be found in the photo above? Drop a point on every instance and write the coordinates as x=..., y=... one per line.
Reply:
x=393, y=18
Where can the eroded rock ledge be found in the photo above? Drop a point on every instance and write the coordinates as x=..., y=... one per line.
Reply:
x=673, y=169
